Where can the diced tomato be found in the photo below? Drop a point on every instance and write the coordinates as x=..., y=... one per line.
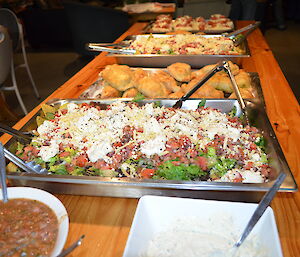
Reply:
x=64, y=154
x=64, y=111
x=147, y=173
x=69, y=168
x=249, y=165
x=238, y=178
x=81, y=160
x=201, y=162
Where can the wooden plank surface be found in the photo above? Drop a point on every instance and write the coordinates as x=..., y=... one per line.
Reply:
x=106, y=221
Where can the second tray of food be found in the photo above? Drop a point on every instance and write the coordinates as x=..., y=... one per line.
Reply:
x=172, y=82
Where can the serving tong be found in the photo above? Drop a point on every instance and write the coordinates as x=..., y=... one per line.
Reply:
x=223, y=65
x=105, y=47
x=30, y=167
x=242, y=38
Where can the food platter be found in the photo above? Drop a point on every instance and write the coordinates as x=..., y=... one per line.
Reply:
x=164, y=24
x=163, y=60
x=129, y=187
x=96, y=89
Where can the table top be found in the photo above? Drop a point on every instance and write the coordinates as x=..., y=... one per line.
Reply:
x=106, y=221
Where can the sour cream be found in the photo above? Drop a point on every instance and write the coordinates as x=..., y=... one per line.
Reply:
x=195, y=238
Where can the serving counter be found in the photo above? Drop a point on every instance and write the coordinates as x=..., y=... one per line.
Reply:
x=106, y=221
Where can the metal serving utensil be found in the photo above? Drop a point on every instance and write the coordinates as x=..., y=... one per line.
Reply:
x=262, y=206
x=30, y=167
x=201, y=82
x=250, y=28
x=3, y=174
x=26, y=136
x=99, y=48
x=71, y=247
x=237, y=92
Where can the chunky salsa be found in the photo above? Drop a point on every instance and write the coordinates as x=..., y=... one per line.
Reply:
x=27, y=228
x=149, y=141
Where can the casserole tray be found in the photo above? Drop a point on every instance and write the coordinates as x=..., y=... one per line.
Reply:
x=133, y=188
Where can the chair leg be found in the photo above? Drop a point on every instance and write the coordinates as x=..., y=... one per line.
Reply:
x=27, y=66
x=15, y=86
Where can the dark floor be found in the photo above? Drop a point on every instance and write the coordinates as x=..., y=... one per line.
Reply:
x=51, y=69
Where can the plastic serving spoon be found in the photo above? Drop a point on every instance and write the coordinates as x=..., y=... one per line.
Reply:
x=3, y=174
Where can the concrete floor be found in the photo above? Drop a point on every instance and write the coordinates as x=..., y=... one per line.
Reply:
x=51, y=69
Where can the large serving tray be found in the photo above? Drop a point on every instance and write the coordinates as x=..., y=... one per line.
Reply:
x=148, y=30
x=160, y=60
x=92, y=92
x=133, y=188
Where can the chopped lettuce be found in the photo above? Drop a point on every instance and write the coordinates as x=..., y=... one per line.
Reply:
x=178, y=172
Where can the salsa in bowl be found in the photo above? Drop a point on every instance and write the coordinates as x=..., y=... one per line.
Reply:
x=33, y=223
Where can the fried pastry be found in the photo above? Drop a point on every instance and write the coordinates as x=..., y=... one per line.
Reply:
x=118, y=76
x=137, y=74
x=180, y=71
x=151, y=87
x=205, y=91
x=245, y=93
x=243, y=79
x=167, y=80
x=131, y=92
x=109, y=92
x=177, y=94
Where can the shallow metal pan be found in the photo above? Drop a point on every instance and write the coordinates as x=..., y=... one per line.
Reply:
x=159, y=60
x=148, y=30
x=91, y=92
x=126, y=187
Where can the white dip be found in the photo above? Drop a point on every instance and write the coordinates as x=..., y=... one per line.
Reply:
x=193, y=237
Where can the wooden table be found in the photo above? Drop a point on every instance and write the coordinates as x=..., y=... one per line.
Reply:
x=106, y=221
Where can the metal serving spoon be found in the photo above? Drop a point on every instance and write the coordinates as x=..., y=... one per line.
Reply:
x=3, y=174
x=71, y=247
x=260, y=209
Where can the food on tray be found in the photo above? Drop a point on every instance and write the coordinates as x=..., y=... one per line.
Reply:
x=185, y=44
x=180, y=71
x=217, y=22
x=28, y=228
x=172, y=82
x=118, y=76
x=149, y=141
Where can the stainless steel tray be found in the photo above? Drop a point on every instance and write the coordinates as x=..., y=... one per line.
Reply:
x=196, y=61
x=126, y=187
x=148, y=30
x=92, y=92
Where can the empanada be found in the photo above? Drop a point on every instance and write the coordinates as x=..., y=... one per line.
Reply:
x=177, y=94
x=180, y=71
x=118, y=76
x=243, y=79
x=245, y=92
x=109, y=92
x=131, y=92
x=151, y=87
x=167, y=80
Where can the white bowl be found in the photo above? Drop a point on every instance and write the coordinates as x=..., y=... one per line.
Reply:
x=51, y=201
x=155, y=214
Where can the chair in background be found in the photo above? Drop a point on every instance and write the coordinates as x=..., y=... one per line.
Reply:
x=7, y=65
x=9, y=20
x=89, y=23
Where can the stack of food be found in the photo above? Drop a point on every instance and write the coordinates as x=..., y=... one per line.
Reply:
x=217, y=22
x=173, y=82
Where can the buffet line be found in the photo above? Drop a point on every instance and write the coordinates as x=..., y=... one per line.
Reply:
x=115, y=130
